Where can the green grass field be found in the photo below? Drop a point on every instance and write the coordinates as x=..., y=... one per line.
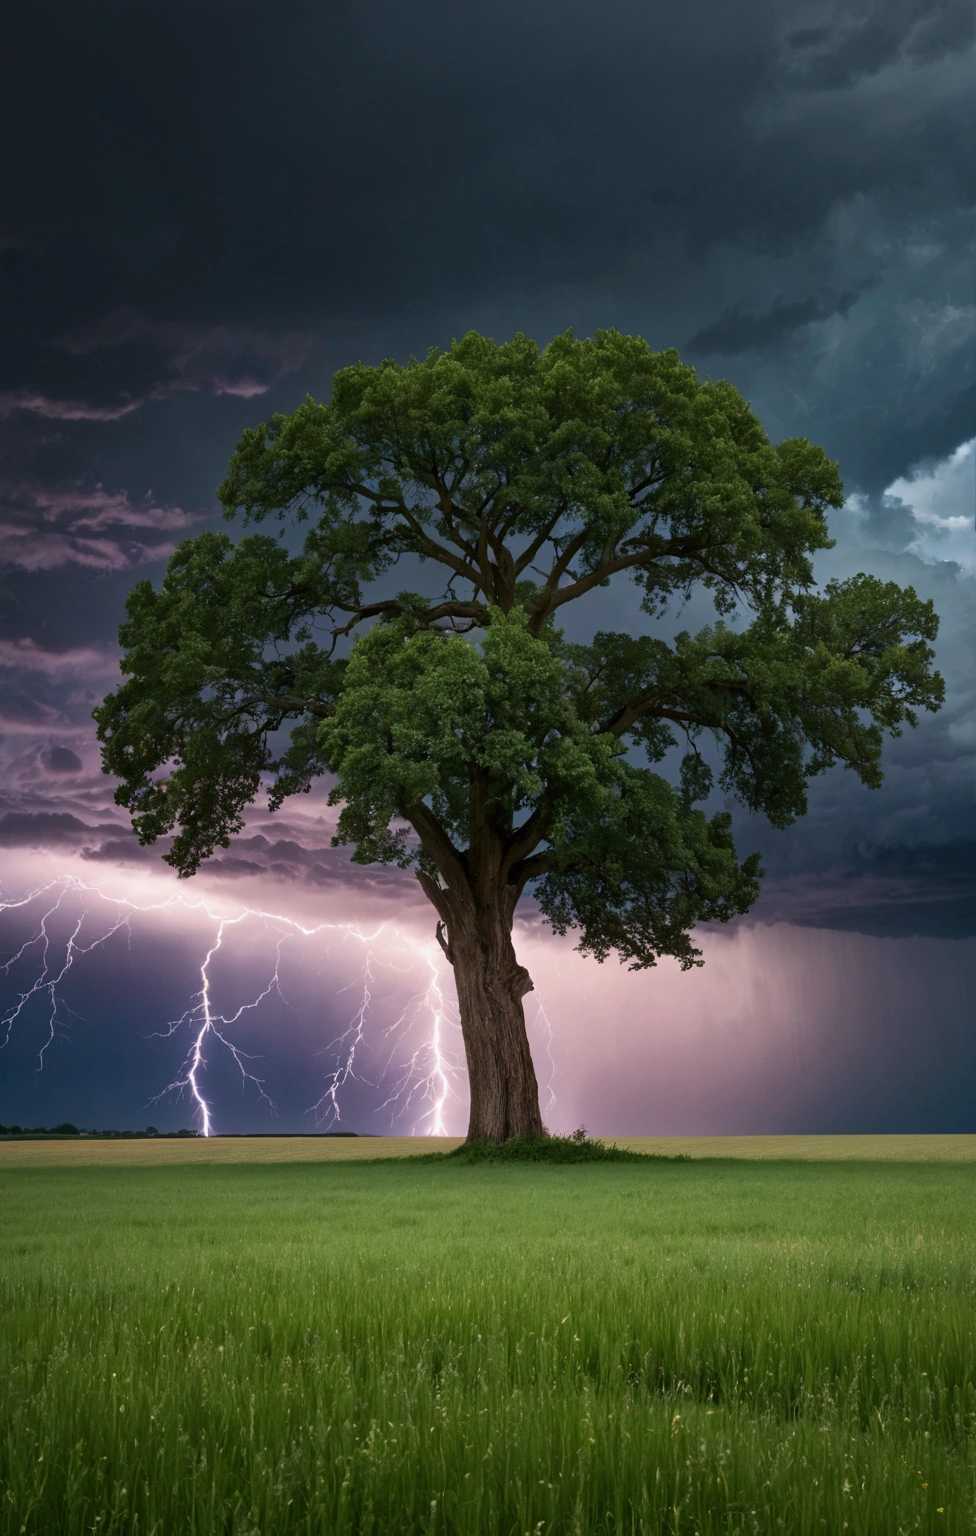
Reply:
x=355, y=1347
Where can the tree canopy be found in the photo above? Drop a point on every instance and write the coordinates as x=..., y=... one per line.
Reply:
x=465, y=734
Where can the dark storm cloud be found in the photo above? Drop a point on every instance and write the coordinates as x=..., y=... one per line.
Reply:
x=860, y=42
x=221, y=203
x=899, y=860
x=889, y=521
x=736, y=331
x=296, y=862
x=18, y=709
x=208, y=166
x=54, y=690
x=43, y=829
x=174, y=356
x=61, y=760
x=898, y=892
x=43, y=527
x=36, y=404
x=51, y=802
x=123, y=850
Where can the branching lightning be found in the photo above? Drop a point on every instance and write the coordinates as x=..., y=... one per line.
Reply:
x=346, y=1045
x=203, y=1022
x=426, y=1078
x=430, y=1070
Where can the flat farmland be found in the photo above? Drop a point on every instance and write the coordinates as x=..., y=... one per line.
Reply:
x=88, y=1153
x=313, y=1341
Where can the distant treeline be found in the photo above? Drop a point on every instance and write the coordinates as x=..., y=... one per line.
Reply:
x=67, y=1129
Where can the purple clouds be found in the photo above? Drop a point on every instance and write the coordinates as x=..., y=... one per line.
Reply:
x=220, y=359
x=173, y=358
x=42, y=528
x=37, y=404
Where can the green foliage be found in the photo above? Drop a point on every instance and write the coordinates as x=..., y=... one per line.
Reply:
x=584, y=446
x=634, y=869
x=208, y=687
x=463, y=732
x=421, y=709
x=422, y=1349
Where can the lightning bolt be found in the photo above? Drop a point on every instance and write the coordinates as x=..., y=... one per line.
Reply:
x=426, y=1078
x=346, y=1044
x=544, y=1020
x=204, y=1021
x=46, y=983
x=429, y=1072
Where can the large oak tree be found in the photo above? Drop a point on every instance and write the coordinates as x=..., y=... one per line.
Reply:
x=465, y=735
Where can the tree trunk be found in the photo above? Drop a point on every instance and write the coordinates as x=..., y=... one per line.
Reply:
x=476, y=936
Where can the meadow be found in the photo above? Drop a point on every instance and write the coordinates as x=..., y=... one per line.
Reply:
x=354, y=1347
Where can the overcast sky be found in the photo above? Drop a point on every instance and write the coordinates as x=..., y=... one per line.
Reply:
x=210, y=207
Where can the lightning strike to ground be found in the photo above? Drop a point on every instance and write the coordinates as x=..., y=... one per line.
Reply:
x=426, y=1078
x=429, y=1072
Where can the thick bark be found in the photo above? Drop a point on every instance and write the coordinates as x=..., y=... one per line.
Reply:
x=475, y=933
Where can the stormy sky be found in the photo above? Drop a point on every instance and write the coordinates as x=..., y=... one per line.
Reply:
x=208, y=208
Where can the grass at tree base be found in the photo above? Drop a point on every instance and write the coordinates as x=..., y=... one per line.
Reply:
x=576, y=1148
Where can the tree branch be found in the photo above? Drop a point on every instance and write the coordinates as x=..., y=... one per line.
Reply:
x=436, y=844
x=529, y=869
x=525, y=560
x=523, y=839
x=432, y=549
